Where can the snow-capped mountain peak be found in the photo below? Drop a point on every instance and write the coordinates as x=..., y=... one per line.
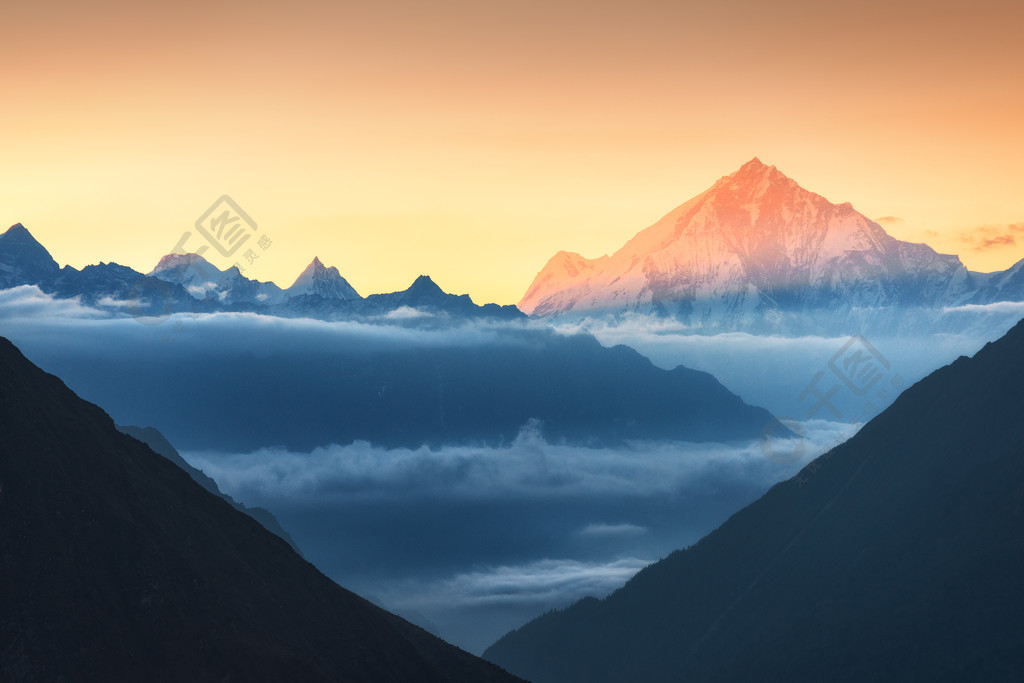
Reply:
x=173, y=261
x=205, y=281
x=754, y=242
x=322, y=281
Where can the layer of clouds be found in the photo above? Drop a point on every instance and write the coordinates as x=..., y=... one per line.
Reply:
x=771, y=371
x=472, y=542
x=407, y=313
x=478, y=540
x=28, y=302
x=998, y=308
x=35, y=320
x=782, y=373
x=528, y=467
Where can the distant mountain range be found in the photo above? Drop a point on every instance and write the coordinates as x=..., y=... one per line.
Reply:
x=894, y=557
x=756, y=252
x=383, y=388
x=190, y=283
x=301, y=392
x=117, y=566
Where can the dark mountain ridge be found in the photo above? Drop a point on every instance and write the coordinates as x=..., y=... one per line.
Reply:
x=117, y=566
x=161, y=446
x=895, y=556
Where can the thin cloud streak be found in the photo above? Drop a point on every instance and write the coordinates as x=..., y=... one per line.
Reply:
x=537, y=582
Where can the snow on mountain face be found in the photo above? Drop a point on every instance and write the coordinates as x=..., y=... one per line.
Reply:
x=1007, y=285
x=754, y=243
x=319, y=280
x=205, y=281
x=191, y=271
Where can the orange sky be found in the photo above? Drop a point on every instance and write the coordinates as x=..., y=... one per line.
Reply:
x=471, y=142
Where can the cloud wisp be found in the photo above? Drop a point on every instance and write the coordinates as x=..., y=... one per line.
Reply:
x=28, y=302
x=528, y=467
x=538, y=583
x=989, y=237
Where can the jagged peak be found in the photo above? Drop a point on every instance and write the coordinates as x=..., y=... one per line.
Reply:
x=755, y=164
x=756, y=182
x=19, y=244
x=316, y=269
x=323, y=280
x=19, y=233
x=319, y=269
x=753, y=171
x=424, y=285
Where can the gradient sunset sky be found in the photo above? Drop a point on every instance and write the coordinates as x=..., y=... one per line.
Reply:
x=471, y=141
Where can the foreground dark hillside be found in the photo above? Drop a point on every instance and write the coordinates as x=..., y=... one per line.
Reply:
x=161, y=446
x=116, y=566
x=897, y=556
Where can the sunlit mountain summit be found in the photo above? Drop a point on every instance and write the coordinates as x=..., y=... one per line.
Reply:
x=750, y=253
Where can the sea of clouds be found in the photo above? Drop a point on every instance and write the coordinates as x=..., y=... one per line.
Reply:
x=472, y=541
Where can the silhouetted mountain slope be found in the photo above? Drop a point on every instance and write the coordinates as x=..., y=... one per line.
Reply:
x=303, y=394
x=896, y=556
x=161, y=446
x=116, y=566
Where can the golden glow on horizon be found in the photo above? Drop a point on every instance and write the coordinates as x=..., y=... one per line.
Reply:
x=472, y=142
